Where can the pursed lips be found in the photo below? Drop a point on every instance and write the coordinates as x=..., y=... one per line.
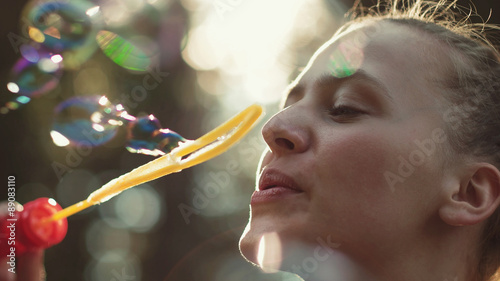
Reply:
x=271, y=178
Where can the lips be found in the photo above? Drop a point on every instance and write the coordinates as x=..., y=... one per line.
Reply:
x=271, y=178
x=274, y=185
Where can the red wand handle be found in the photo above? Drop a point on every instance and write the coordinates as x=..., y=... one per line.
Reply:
x=31, y=228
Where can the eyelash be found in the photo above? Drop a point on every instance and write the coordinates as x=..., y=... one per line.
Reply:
x=344, y=111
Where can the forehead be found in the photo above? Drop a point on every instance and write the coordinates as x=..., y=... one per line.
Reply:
x=400, y=57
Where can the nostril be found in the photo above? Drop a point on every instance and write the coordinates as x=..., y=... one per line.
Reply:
x=284, y=143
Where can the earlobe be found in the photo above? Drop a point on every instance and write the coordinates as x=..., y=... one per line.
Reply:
x=477, y=197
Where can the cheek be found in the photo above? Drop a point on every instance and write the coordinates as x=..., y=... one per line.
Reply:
x=350, y=189
x=357, y=162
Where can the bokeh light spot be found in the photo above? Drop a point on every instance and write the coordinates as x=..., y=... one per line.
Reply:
x=58, y=139
x=35, y=34
x=29, y=52
x=98, y=127
x=13, y=87
x=113, y=266
x=139, y=208
x=23, y=99
x=53, y=32
x=56, y=58
x=47, y=65
x=92, y=11
x=100, y=239
x=52, y=202
x=100, y=81
x=12, y=105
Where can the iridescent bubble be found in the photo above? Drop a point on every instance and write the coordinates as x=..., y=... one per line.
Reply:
x=146, y=136
x=33, y=78
x=66, y=28
x=90, y=120
x=93, y=121
x=122, y=52
x=65, y=25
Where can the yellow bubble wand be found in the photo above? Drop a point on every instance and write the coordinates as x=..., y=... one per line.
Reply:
x=186, y=155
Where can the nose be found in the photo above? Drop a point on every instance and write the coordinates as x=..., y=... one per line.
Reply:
x=287, y=132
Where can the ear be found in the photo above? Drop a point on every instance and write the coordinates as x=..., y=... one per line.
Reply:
x=475, y=199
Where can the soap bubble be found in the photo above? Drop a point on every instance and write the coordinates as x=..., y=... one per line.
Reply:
x=89, y=120
x=35, y=76
x=93, y=121
x=64, y=25
x=66, y=28
x=146, y=136
x=122, y=52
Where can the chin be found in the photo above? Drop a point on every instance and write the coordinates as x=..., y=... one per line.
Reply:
x=249, y=245
x=282, y=249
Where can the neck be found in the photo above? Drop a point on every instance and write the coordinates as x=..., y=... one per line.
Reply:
x=447, y=254
x=439, y=253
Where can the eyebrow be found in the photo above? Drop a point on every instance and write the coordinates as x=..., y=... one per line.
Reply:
x=328, y=79
x=360, y=75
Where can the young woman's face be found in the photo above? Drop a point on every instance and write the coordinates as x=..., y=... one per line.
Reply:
x=355, y=158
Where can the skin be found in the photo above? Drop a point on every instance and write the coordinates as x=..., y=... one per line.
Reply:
x=426, y=227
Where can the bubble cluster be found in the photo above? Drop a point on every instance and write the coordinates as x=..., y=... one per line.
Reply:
x=64, y=35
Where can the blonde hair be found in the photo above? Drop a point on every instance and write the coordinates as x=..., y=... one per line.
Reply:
x=473, y=88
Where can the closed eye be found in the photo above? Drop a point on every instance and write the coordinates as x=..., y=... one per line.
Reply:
x=344, y=110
